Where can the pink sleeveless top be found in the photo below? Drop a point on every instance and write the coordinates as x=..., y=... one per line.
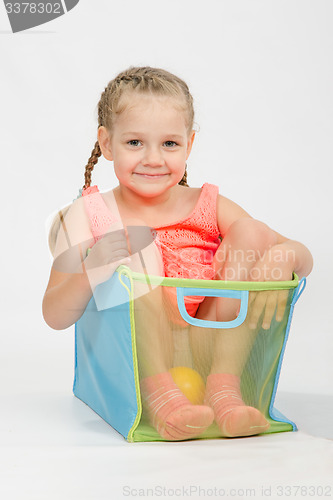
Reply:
x=98, y=213
x=187, y=246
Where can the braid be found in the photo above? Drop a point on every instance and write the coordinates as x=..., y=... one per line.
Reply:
x=183, y=181
x=95, y=154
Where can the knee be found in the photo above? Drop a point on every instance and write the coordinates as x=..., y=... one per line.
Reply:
x=251, y=234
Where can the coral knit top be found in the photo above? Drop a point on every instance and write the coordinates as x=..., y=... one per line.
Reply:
x=187, y=246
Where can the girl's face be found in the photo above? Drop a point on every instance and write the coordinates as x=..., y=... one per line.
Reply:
x=149, y=145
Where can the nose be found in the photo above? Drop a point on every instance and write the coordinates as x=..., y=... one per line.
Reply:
x=153, y=158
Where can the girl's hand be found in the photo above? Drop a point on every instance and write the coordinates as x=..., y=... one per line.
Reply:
x=276, y=265
x=105, y=256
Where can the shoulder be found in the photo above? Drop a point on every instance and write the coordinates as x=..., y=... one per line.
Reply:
x=192, y=194
x=227, y=213
x=185, y=200
x=111, y=204
x=198, y=200
x=77, y=214
x=210, y=192
x=74, y=228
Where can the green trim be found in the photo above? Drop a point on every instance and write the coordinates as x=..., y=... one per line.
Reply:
x=146, y=433
x=217, y=284
x=124, y=271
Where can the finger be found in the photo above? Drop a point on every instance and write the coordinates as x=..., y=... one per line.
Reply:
x=269, y=309
x=281, y=305
x=117, y=245
x=118, y=254
x=257, y=309
x=107, y=245
x=139, y=237
x=115, y=236
x=104, y=258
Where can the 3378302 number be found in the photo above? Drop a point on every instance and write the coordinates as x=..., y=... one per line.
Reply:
x=33, y=8
x=304, y=491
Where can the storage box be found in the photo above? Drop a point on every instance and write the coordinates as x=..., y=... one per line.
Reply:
x=106, y=339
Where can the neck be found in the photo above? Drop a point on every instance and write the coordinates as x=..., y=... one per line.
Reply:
x=133, y=201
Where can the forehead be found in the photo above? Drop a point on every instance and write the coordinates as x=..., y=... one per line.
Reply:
x=147, y=108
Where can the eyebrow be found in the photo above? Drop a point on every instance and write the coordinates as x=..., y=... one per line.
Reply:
x=169, y=136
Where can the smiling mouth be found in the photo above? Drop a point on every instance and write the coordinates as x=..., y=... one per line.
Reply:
x=150, y=176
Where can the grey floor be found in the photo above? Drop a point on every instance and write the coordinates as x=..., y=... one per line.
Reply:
x=52, y=447
x=313, y=413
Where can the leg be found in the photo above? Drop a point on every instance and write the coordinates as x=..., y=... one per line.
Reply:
x=169, y=411
x=245, y=243
x=154, y=344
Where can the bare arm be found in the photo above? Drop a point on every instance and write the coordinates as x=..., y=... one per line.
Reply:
x=68, y=290
x=65, y=299
x=297, y=255
x=228, y=212
x=74, y=275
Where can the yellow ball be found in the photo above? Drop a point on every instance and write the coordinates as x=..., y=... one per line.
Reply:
x=190, y=383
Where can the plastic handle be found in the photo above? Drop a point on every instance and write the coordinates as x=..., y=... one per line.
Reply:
x=243, y=295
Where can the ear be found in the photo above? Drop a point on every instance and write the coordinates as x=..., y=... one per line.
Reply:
x=190, y=143
x=104, y=140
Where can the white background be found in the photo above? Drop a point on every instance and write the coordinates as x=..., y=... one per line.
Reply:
x=261, y=74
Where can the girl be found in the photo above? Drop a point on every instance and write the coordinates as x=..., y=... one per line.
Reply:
x=145, y=126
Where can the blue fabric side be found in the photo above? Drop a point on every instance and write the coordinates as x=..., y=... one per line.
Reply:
x=104, y=374
x=273, y=412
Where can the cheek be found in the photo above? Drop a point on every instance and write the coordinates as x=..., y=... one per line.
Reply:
x=178, y=161
x=126, y=156
x=122, y=158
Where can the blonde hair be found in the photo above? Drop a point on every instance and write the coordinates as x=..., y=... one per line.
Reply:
x=146, y=80
x=55, y=226
x=138, y=79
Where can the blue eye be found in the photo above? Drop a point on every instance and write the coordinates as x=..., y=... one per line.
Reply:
x=134, y=142
x=170, y=144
